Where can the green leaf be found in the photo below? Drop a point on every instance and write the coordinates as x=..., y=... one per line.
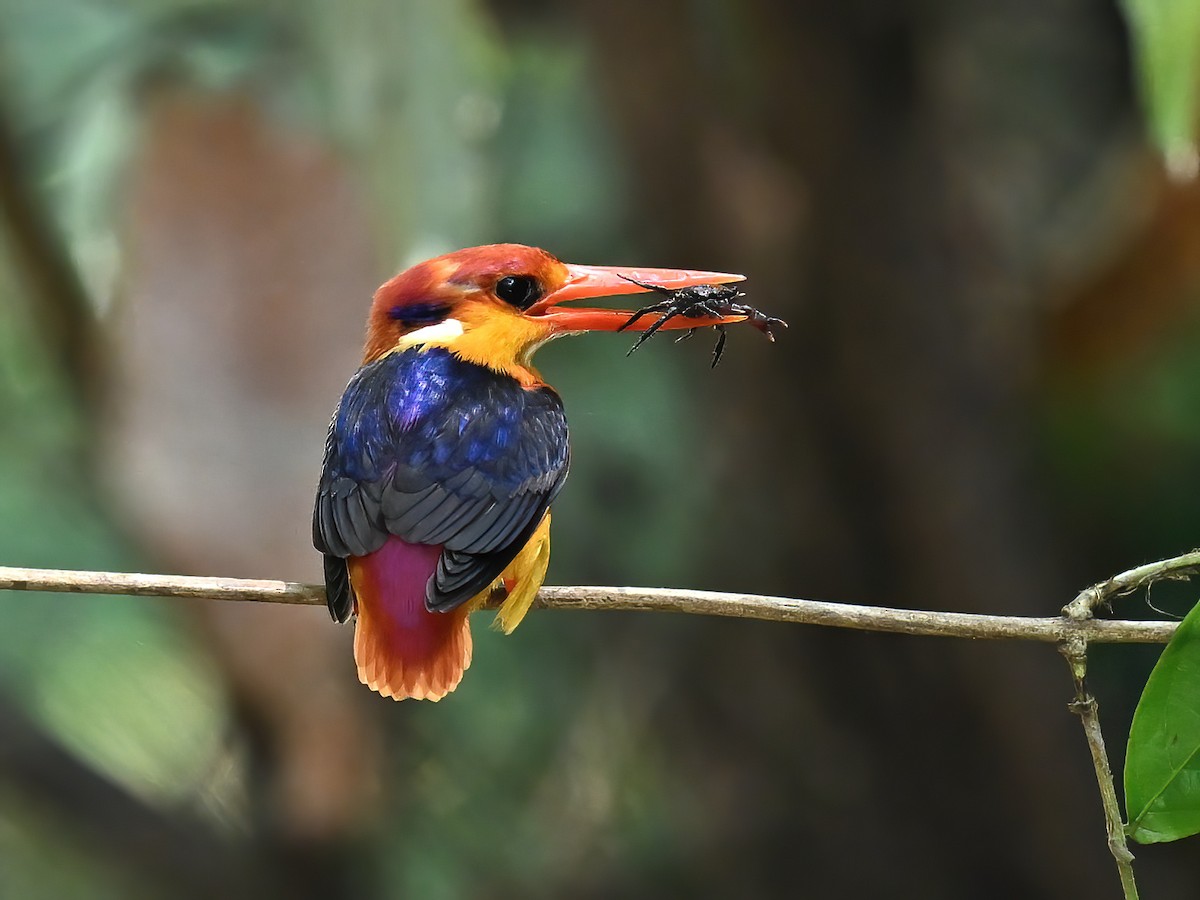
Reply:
x=1166, y=49
x=1162, y=765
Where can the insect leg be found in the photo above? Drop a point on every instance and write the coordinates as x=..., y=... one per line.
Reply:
x=720, y=348
x=648, y=333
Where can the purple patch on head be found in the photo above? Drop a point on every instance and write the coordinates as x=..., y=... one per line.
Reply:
x=416, y=314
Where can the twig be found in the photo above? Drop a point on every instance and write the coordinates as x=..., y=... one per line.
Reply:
x=1088, y=710
x=748, y=606
x=1085, y=706
x=1178, y=568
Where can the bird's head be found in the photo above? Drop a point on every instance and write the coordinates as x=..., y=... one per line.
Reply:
x=495, y=305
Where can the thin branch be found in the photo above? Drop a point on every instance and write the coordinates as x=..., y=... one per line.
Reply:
x=747, y=606
x=1179, y=568
x=1088, y=710
x=1085, y=706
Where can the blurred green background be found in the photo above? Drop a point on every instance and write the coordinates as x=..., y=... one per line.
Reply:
x=988, y=398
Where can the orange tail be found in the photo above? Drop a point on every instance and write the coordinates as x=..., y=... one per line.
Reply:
x=403, y=650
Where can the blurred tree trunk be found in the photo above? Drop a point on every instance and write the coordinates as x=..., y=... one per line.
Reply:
x=250, y=266
x=845, y=155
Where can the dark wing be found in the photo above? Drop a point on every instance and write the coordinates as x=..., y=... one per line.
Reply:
x=339, y=596
x=438, y=451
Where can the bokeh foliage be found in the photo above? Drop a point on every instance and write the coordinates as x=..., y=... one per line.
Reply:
x=658, y=755
x=441, y=138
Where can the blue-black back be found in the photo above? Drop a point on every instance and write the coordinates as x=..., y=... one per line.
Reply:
x=436, y=450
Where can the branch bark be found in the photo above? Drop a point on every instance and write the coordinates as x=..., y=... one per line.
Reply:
x=1178, y=568
x=747, y=606
x=1085, y=706
x=1081, y=610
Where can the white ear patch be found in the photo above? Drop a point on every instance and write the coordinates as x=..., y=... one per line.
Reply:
x=442, y=333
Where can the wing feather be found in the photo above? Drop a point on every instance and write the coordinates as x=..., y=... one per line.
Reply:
x=339, y=595
x=437, y=451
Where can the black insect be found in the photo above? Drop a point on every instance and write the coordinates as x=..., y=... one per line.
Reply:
x=704, y=301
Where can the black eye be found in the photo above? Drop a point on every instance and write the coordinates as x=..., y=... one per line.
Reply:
x=519, y=290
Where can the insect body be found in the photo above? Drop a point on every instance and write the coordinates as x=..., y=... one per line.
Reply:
x=705, y=301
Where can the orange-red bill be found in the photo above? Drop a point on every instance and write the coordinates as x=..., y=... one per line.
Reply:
x=612, y=281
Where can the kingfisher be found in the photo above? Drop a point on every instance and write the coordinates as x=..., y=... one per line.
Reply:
x=448, y=448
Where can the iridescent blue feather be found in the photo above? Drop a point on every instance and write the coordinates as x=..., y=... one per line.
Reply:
x=436, y=450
